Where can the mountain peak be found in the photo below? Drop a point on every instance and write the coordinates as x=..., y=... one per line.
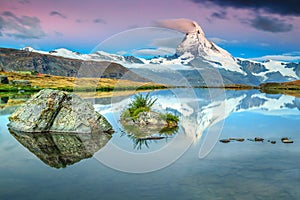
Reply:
x=197, y=29
x=198, y=45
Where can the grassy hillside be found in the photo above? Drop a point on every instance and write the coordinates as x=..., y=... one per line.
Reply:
x=42, y=81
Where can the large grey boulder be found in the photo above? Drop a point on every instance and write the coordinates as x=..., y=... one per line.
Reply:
x=58, y=111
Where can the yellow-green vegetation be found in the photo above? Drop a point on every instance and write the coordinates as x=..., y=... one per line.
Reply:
x=42, y=81
x=143, y=125
x=140, y=104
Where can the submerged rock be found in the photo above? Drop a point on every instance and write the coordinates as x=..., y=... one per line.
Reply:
x=237, y=139
x=58, y=111
x=287, y=141
x=258, y=139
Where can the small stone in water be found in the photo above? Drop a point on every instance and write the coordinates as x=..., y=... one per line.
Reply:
x=224, y=140
x=287, y=141
x=258, y=139
x=237, y=139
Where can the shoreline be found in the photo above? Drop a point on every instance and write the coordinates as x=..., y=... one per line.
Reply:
x=38, y=82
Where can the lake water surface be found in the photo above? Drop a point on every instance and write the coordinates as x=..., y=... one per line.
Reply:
x=30, y=168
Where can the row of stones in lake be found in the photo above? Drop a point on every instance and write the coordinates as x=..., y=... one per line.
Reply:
x=257, y=139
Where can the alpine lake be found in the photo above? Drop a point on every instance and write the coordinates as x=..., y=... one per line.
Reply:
x=187, y=163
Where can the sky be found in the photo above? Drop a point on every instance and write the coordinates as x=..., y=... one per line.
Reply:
x=250, y=28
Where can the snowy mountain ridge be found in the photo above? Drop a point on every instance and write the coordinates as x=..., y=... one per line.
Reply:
x=96, y=56
x=196, y=47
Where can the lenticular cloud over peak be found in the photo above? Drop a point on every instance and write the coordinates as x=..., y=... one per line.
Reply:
x=181, y=24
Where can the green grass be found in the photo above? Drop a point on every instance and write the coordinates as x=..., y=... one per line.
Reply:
x=17, y=88
x=140, y=104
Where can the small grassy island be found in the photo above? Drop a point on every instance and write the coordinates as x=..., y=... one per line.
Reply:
x=142, y=122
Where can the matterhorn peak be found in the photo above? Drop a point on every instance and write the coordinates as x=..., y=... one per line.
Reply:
x=196, y=43
x=199, y=46
x=196, y=29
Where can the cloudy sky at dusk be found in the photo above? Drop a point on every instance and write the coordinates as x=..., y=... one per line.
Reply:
x=249, y=28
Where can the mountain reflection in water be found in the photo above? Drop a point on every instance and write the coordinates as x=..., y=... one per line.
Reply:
x=238, y=170
x=59, y=150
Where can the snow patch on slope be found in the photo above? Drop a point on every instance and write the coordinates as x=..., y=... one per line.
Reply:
x=223, y=59
x=276, y=66
x=66, y=53
x=184, y=59
x=30, y=49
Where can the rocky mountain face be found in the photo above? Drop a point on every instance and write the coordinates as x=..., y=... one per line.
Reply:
x=21, y=60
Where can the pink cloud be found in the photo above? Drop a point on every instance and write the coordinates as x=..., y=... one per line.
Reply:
x=182, y=25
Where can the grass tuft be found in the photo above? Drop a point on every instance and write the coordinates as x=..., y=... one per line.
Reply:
x=140, y=104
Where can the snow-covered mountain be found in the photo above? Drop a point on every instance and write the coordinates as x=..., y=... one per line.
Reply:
x=197, y=59
x=96, y=56
x=196, y=43
x=196, y=50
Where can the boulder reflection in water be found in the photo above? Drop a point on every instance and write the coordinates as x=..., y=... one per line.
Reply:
x=62, y=149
